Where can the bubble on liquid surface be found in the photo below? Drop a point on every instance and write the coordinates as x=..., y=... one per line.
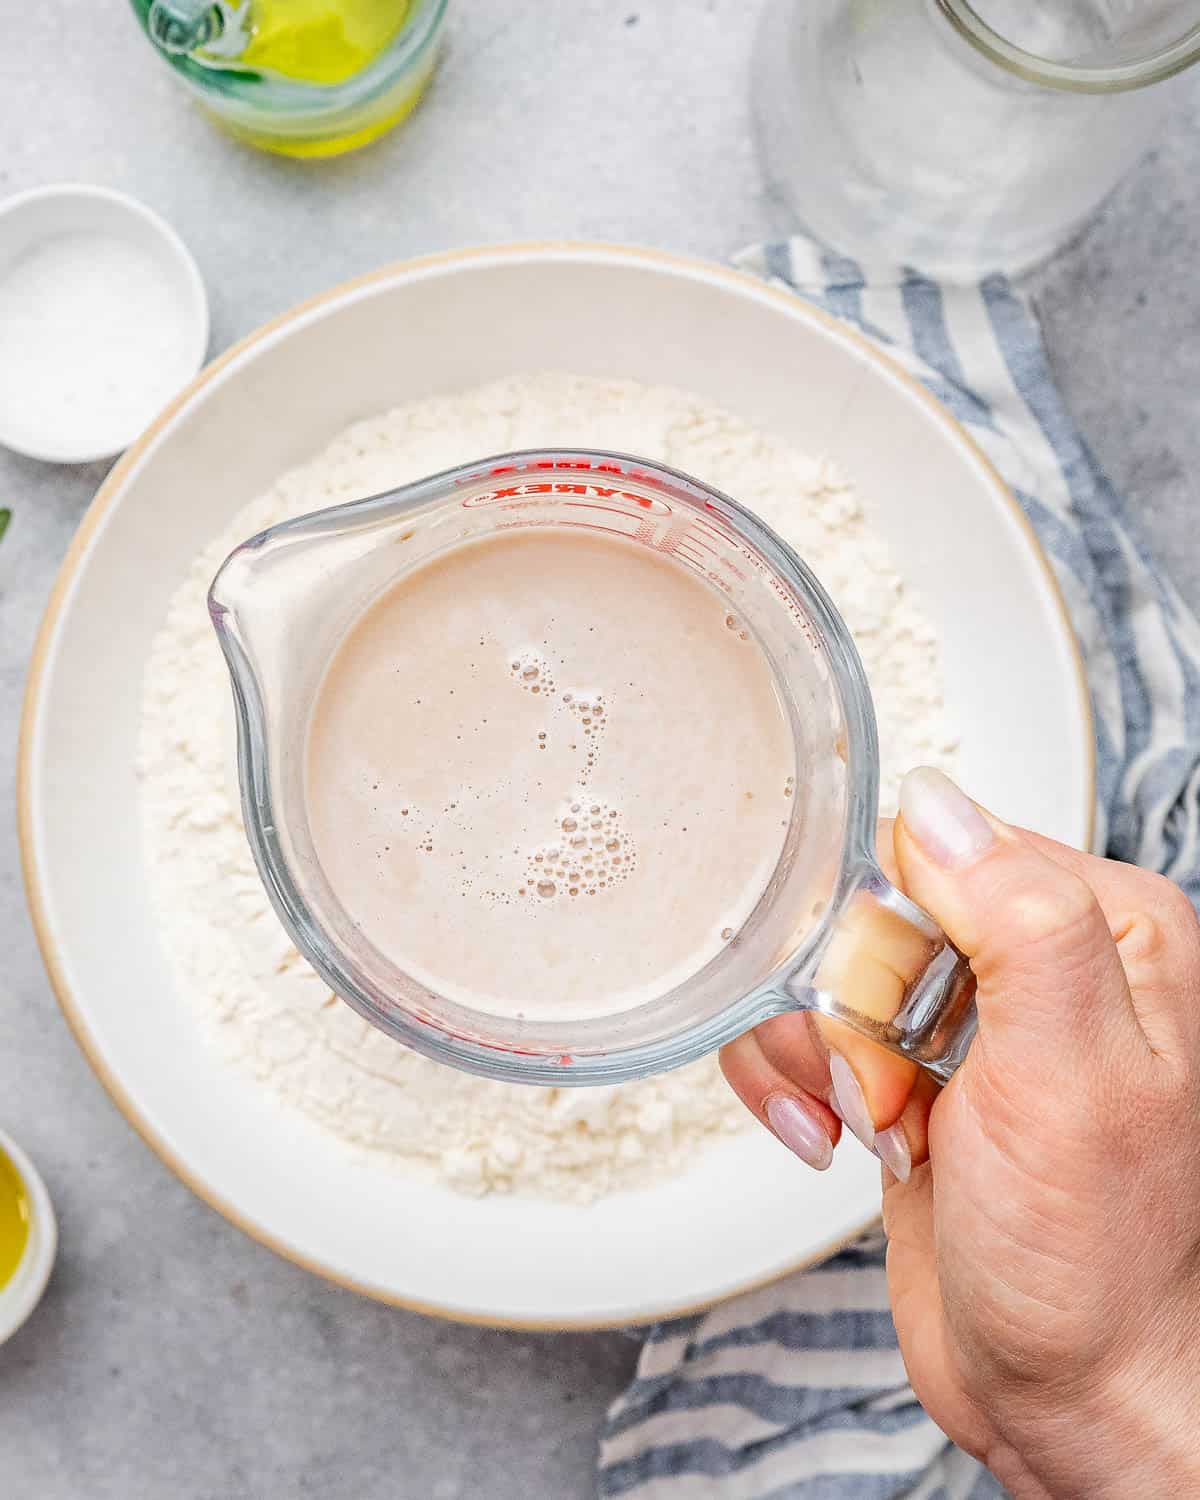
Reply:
x=588, y=863
x=588, y=709
x=532, y=672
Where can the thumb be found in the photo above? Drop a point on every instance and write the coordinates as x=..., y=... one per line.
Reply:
x=1047, y=968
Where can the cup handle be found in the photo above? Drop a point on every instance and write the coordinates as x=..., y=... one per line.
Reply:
x=889, y=972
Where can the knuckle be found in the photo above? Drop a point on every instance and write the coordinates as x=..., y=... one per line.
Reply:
x=1144, y=941
x=1053, y=914
x=1167, y=904
x=1162, y=937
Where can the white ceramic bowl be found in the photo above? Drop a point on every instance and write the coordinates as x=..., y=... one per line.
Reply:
x=22, y=1292
x=73, y=434
x=746, y=1212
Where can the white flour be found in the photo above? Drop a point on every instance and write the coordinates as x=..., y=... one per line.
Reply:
x=267, y=1010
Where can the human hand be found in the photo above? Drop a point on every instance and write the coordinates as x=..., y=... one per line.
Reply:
x=1043, y=1210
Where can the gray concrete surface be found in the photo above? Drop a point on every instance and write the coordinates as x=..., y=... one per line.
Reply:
x=173, y=1357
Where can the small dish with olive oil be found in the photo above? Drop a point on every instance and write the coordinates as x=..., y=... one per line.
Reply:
x=28, y=1236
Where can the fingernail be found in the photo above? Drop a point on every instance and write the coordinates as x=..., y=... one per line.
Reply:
x=943, y=820
x=891, y=1147
x=849, y=1102
x=799, y=1132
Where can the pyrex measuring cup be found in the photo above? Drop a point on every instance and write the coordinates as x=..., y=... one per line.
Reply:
x=829, y=934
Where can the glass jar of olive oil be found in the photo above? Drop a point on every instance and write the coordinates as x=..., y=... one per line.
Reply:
x=300, y=77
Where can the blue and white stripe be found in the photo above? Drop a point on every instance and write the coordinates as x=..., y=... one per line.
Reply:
x=797, y=1391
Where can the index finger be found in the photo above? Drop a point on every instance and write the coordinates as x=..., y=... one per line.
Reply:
x=865, y=1085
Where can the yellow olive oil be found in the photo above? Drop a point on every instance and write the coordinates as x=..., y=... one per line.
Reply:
x=320, y=41
x=326, y=43
x=14, y=1219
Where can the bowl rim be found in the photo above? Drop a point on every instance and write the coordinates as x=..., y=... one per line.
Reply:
x=108, y=495
x=172, y=249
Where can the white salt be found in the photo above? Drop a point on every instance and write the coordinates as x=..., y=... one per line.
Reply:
x=93, y=341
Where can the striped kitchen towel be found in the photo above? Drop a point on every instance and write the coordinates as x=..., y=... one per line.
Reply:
x=797, y=1391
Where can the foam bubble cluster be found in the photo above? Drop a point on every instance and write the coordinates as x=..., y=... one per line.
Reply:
x=591, y=852
x=588, y=851
x=532, y=672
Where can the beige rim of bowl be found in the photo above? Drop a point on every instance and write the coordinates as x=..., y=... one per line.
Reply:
x=106, y=497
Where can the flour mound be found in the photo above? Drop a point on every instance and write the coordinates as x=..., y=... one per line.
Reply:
x=252, y=993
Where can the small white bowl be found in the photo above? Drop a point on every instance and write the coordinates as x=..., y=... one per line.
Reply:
x=22, y=1292
x=35, y=218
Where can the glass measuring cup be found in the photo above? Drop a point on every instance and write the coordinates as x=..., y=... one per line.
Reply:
x=956, y=137
x=829, y=934
x=300, y=77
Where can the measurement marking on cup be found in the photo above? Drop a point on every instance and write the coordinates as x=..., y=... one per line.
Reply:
x=516, y=493
x=682, y=537
x=716, y=531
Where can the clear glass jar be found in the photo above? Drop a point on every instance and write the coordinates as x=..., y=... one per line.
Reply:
x=307, y=79
x=960, y=138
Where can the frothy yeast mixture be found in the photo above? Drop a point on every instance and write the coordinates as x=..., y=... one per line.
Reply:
x=548, y=774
